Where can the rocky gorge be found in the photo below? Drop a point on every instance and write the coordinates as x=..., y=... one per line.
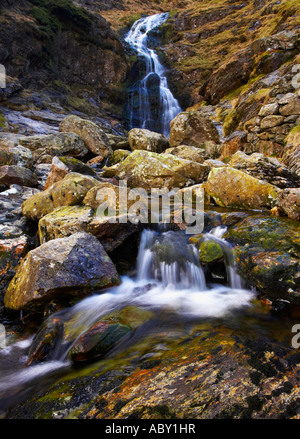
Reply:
x=109, y=318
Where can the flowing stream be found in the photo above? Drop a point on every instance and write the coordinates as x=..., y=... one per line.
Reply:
x=169, y=277
x=151, y=103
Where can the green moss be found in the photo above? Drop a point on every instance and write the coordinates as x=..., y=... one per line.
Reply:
x=3, y=122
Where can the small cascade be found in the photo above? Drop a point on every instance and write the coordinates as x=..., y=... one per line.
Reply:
x=216, y=235
x=151, y=104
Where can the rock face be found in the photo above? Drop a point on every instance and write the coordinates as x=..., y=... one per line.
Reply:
x=230, y=187
x=194, y=129
x=147, y=140
x=45, y=147
x=62, y=267
x=93, y=136
x=67, y=192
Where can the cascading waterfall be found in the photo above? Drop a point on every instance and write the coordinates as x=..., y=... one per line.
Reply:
x=151, y=104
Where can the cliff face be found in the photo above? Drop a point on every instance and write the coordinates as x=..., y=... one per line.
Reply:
x=60, y=46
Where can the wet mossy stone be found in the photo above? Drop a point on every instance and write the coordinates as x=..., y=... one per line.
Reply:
x=210, y=251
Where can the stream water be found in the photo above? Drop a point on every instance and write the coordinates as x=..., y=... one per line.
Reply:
x=151, y=103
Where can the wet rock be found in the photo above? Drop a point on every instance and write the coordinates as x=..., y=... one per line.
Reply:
x=45, y=147
x=194, y=129
x=265, y=168
x=63, y=222
x=210, y=252
x=188, y=153
x=267, y=250
x=289, y=202
x=150, y=170
x=96, y=342
x=61, y=268
x=93, y=136
x=67, y=192
x=17, y=175
x=230, y=187
x=61, y=166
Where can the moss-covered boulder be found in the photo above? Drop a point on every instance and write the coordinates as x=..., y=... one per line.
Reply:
x=210, y=251
x=93, y=136
x=61, y=268
x=268, y=255
x=146, y=140
x=150, y=170
x=230, y=187
x=118, y=156
x=192, y=128
x=64, y=221
x=68, y=192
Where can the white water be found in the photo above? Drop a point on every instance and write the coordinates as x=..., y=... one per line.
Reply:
x=138, y=39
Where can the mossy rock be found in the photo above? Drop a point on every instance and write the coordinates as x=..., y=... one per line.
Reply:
x=210, y=251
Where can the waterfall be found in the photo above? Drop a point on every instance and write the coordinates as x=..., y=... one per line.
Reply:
x=151, y=104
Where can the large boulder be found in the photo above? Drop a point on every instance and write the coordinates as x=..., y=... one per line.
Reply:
x=17, y=155
x=45, y=147
x=265, y=168
x=64, y=267
x=143, y=169
x=93, y=136
x=147, y=140
x=192, y=128
x=67, y=192
x=230, y=187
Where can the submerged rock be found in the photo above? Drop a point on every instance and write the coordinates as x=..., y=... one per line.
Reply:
x=61, y=268
x=230, y=187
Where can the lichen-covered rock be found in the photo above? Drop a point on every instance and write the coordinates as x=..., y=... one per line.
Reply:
x=93, y=136
x=45, y=147
x=188, y=153
x=265, y=168
x=61, y=166
x=143, y=169
x=192, y=128
x=118, y=156
x=230, y=187
x=235, y=142
x=61, y=268
x=271, y=121
x=17, y=175
x=289, y=202
x=67, y=192
x=64, y=221
x=146, y=140
x=293, y=107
